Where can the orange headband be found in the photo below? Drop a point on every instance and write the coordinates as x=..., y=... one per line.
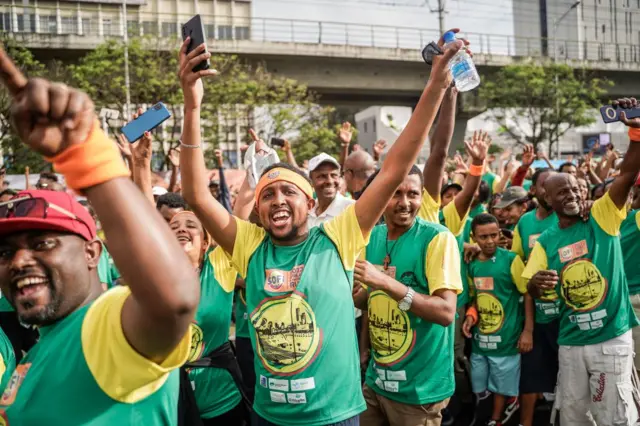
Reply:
x=207, y=237
x=286, y=175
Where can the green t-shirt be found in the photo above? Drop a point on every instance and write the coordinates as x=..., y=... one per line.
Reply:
x=5, y=306
x=302, y=322
x=7, y=360
x=215, y=391
x=83, y=371
x=412, y=358
x=587, y=256
x=491, y=179
x=466, y=232
x=630, y=242
x=497, y=290
x=527, y=231
x=241, y=314
x=107, y=271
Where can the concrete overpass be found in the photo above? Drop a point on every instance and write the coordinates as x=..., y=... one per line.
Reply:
x=347, y=64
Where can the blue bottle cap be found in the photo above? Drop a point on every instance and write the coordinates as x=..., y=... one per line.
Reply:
x=449, y=36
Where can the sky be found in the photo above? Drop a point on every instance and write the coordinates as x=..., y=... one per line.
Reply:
x=380, y=17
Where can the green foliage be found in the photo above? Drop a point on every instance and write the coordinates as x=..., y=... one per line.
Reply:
x=529, y=92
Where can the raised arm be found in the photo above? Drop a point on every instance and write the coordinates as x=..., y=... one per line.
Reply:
x=477, y=150
x=141, y=152
x=404, y=151
x=195, y=188
x=344, y=134
x=619, y=191
x=60, y=123
x=434, y=168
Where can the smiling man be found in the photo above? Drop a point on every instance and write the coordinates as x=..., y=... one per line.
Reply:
x=102, y=358
x=324, y=171
x=582, y=261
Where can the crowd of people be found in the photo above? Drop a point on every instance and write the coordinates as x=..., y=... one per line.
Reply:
x=359, y=290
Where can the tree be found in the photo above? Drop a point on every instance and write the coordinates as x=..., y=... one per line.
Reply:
x=16, y=155
x=530, y=108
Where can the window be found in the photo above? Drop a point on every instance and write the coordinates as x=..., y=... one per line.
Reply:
x=48, y=24
x=5, y=21
x=150, y=28
x=107, y=28
x=374, y=125
x=225, y=32
x=604, y=28
x=169, y=29
x=365, y=127
x=68, y=25
x=27, y=23
x=86, y=26
x=210, y=30
x=242, y=33
x=133, y=28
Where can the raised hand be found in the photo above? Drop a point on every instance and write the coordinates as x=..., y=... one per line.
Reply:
x=528, y=155
x=461, y=166
x=191, y=82
x=286, y=146
x=261, y=146
x=478, y=148
x=143, y=148
x=345, y=134
x=48, y=117
x=440, y=74
x=218, y=154
x=124, y=145
x=378, y=148
x=174, y=157
x=627, y=103
x=505, y=154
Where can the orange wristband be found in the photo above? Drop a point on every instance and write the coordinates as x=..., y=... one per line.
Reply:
x=634, y=134
x=473, y=313
x=91, y=163
x=476, y=170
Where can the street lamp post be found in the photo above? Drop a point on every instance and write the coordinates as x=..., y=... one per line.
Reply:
x=556, y=22
x=126, y=62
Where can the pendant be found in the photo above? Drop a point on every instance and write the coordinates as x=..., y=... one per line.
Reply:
x=386, y=262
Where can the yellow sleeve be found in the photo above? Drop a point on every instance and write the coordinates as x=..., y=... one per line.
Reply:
x=472, y=288
x=537, y=262
x=607, y=215
x=442, y=266
x=344, y=230
x=248, y=238
x=516, y=244
x=452, y=219
x=223, y=270
x=517, y=268
x=496, y=182
x=429, y=208
x=120, y=371
x=638, y=219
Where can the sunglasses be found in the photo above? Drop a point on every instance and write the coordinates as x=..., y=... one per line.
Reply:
x=35, y=208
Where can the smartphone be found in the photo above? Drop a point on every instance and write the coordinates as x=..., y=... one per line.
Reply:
x=195, y=29
x=507, y=233
x=148, y=121
x=611, y=114
x=277, y=142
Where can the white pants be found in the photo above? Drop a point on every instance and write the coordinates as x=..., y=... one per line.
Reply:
x=635, y=302
x=594, y=383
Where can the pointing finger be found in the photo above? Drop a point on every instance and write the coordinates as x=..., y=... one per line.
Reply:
x=12, y=77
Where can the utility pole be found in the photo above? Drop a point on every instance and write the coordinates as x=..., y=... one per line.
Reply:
x=127, y=88
x=441, y=10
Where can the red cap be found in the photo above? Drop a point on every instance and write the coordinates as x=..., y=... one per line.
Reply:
x=638, y=180
x=84, y=226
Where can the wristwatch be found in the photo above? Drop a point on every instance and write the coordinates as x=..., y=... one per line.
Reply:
x=405, y=303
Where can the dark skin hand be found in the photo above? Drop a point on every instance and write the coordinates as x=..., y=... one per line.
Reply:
x=619, y=191
x=50, y=117
x=542, y=281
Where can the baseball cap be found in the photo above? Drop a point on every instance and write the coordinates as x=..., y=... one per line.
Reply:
x=59, y=211
x=315, y=162
x=450, y=185
x=158, y=190
x=510, y=196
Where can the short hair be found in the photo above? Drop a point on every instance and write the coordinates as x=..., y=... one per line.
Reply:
x=49, y=175
x=8, y=191
x=288, y=167
x=563, y=165
x=172, y=201
x=483, y=219
x=538, y=173
x=413, y=171
x=484, y=192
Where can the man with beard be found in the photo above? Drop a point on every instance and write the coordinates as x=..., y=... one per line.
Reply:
x=299, y=280
x=107, y=357
x=583, y=262
x=540, y=366
x=630, y=242
x=412, y=274
x=324, y=171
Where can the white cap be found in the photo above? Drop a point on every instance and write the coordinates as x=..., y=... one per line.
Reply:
x=315, y=162
x=158, y=190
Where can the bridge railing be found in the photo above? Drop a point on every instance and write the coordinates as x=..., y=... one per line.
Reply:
x=95, y=23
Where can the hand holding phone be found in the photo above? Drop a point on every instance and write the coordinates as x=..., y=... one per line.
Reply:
x=146, y=122
x=277, y=142
x=611, y=113
x=194, y=29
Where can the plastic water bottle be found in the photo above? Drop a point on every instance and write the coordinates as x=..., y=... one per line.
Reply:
x=462, y=67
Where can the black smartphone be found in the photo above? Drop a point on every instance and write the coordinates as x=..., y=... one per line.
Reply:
x=507, y=233
x=277, y=142
x=195, y=29
x=611, y=114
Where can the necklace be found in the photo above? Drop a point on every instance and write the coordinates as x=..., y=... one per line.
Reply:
x=387, y=258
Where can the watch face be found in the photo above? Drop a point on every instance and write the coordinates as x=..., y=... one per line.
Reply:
x=403, y=305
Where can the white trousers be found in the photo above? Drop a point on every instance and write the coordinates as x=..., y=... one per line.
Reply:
x=594, y=384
